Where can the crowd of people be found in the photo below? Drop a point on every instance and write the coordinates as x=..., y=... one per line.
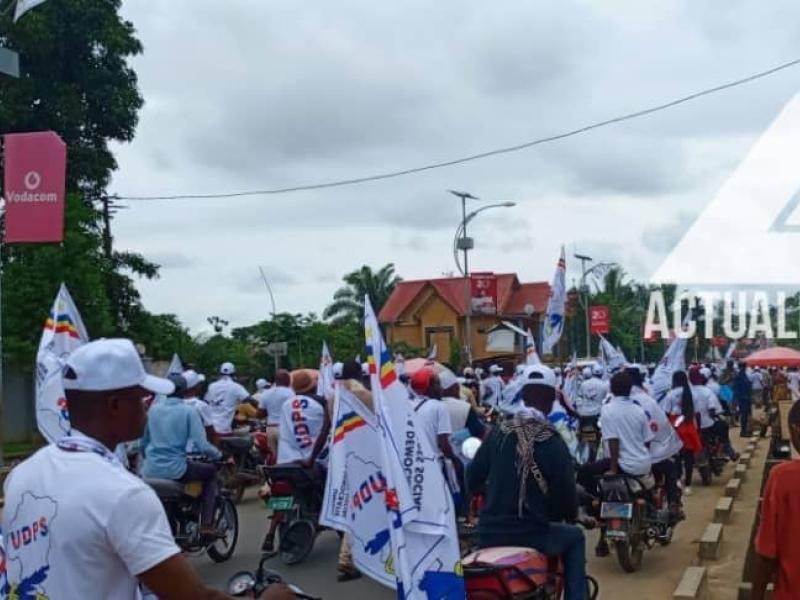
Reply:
x=110, y=533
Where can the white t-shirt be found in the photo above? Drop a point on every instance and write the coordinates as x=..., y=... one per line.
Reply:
x=622, y=419
x=203, y=408
x=224, y=396
x=77, y=526
x=704, y=403
x=272, y=401
x=757, y=380
x=301, y=423
x=492, y=391
x=666, y=442
x=794, y=380
x=590, y=397
x=433, y=419
x=457, y=411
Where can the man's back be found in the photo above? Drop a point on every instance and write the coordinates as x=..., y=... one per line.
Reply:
x=591, y=394
x=779, y=533
x=626, y=421
x=78, y=526
x=302, y=420
x=224, y=395
x=272, y=401
x=432, y=418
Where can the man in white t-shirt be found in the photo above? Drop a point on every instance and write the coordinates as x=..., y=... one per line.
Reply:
x=77, y=524
x=464, y=421
x=304, y=423
x=224, y=396
x=194, y=382
x=492, y=387
x=271, y=406
x=591, y=394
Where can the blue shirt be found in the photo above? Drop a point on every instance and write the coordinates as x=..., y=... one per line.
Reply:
x=171, y=424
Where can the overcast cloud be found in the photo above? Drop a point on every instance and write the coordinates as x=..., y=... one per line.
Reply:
x=250, y=95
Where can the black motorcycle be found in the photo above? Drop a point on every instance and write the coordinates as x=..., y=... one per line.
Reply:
x=251, y=585
x=711, y=460
x=241, y=468
x=183, y=506
x=635, y=514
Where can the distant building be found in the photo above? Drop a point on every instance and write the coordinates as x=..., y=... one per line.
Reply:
x=425, y=312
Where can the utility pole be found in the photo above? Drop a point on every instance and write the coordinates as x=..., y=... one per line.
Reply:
x=466, y=243
x=105, y=201
x=584, y=291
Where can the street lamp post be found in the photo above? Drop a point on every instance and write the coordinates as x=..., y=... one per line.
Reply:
x=466, y=243
x=584, y=293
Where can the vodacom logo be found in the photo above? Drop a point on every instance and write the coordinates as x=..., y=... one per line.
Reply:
x=32, y=180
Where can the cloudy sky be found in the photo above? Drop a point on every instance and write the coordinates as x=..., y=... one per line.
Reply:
x=247, y=94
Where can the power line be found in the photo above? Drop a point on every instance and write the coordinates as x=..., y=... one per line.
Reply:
x=481, y=155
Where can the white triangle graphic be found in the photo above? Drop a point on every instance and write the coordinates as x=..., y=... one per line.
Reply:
x=747, y=235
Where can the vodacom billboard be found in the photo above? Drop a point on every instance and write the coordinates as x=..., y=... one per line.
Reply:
x=35, y=169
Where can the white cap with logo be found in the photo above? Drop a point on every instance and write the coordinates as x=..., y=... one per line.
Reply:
x=193, y=378
x=110, y=364
x=227, y=368
x=495, y=369
x=447, y=379
x=538, y=375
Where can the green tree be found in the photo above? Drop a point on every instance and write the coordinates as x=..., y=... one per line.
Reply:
x=76, y=81
x=348, y=301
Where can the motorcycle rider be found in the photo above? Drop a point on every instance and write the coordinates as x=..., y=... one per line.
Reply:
x=680, y=406
x=710, y=409
x=224, y=396
x=172, y=426
x=529, y=481
x=666, y=445
x=591, y=393
x=492, y=387
x=194, y=381
x=107, y=532
x=271, y=406
x=626, y=436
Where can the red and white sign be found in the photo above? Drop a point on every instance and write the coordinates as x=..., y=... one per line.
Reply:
x=599, y=319
x=483, y=293
x=35, y=172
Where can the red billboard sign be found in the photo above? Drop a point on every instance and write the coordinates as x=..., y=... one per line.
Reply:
x=35, y=171
x=599, y=319
x=483, y=296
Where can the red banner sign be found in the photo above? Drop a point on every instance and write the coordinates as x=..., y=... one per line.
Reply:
x=484, y=293
x=599, y=319
x=35, y=171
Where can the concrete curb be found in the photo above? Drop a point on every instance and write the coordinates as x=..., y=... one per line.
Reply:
x=745, y=458
x=711, y=542
x=724, y=510
x=693, y=584
x=732, y=488
x=740, y=473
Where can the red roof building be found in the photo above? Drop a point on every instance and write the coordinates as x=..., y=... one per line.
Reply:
x=425, y=312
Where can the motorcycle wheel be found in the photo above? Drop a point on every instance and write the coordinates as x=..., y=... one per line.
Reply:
x=297, y=540
x=226, y=519
x=231, y=482
x=631, y=551
x=705, y=474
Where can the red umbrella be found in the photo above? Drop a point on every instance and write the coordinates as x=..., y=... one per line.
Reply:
x=774, y=357
x=412, y=365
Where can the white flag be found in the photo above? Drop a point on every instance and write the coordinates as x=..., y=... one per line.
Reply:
x=731, y=350
x=355, y=490
x=571, y=381
x=175, y=366
x=24, y=6
x=554, y=323
x=325, y=380
x=420, y=510
x=612, y=358
x=63, y=333
x=531, y=356
x=674, y=360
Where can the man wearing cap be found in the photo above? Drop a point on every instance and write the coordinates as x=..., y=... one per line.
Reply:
x=431, y=413
x=304, y=423
x=194, y=383
x=526, y=472
x=172, y=427
x=593, y=390
x=79, y=525
x=271, y=406
x=224, y=396
x=492, y=387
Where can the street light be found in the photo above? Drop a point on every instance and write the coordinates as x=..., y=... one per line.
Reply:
x=585, y=294
x=465, y=243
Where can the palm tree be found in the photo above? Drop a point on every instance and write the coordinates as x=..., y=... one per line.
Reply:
x=348, y=301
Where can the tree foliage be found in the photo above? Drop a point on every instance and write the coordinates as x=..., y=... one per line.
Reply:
x=348, y=301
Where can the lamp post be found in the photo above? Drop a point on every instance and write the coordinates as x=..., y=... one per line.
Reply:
x=584, y=293
x=465, y=243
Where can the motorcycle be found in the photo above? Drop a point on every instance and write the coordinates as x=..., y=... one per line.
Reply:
x=296, y=502
x=246, y=452
x=183, y=507
x=711, y=459
x=588, y=440
x=251, y=585
x=635, y=514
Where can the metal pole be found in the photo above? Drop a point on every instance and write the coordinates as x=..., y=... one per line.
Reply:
x=2, y=362
x=467, y=294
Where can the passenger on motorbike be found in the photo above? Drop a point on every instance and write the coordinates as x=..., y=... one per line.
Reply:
x=708, y=405
x=172, y=427
x=679, y=404
x=224, y=396
x=526, y=472
x=191, y=396
x=593, y=390
x=666, y=445
x=626, y=436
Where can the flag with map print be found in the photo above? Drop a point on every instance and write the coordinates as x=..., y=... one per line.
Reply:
x=355, y=489
x=554, y=322
x=419, y=505
x=325, y=379
x=63, y=333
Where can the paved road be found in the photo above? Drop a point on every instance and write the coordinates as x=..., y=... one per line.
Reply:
x=660, y=572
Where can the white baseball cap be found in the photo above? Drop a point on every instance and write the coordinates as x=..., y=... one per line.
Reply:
x=705, y=372
x=261, y=383
x=193, y=378
x=110, y=364
x=495, y=369
x=338, y=367
x=227, y=368
x=538, y=375
x=447, y=379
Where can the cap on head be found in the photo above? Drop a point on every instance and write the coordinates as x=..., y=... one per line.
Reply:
x=447, y=379
x=193, y=378
x=421, y=380
x=179, y=381
x=261, y=384
x=338, y=368
x=587, y=372
x=597, y=370
x=706, y=372
x=302, y=382
x=227, y=368
x=110, y=364
x=351, y=370
x=538, y=375
x=495, y=369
